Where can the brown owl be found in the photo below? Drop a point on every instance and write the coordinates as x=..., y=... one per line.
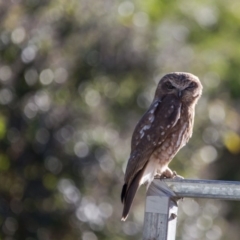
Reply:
x=164, y=129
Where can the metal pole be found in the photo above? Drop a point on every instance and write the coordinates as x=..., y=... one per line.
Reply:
x=213, y=189
x=160, y=213
x=161, y=203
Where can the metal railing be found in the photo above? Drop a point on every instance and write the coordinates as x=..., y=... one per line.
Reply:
x=161, y=203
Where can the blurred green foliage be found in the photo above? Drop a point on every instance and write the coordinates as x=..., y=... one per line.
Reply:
x=75, y=77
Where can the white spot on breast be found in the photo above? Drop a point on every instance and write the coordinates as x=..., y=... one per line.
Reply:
x=166, y=144
x=148, y=137
x=168, y=126
x=163, y=147
x=172, y=106
x=154, y=144
x=169, y=151
x=162, y=133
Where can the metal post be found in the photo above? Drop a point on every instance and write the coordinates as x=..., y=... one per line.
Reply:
x=161, y=213
x=161, y=203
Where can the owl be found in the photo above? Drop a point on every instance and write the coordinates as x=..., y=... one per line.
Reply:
x=162, y=131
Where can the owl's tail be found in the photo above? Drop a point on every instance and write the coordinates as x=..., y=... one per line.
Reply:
x=128, y=193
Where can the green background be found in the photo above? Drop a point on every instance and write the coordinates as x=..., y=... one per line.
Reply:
x=75, y=77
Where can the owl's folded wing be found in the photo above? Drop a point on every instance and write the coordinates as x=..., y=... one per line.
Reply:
x=151, y=131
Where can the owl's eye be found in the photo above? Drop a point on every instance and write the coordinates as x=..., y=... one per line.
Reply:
x=169, y=86
x=192, y=85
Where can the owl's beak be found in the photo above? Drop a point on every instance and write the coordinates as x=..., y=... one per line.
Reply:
x=179, y=93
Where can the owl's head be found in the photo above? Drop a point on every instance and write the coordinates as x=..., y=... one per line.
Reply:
x=184, y=86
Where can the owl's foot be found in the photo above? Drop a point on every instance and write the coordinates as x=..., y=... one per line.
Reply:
x=168, y=173
x=177, y=176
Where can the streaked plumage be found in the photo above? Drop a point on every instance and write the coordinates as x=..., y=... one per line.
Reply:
x=162, y=131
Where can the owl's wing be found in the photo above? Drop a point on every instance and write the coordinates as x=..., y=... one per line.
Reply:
x=144, y=124
x=151, y=131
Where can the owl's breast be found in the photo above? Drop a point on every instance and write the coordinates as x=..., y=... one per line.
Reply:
x=178, y=137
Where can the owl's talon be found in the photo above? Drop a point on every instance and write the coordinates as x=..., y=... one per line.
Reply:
x=162, y=176
x=168, y=173
x=178, y=177
x=157, y=176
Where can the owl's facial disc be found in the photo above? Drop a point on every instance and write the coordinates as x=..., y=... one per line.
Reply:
x=185, y=86
x=191, y=92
